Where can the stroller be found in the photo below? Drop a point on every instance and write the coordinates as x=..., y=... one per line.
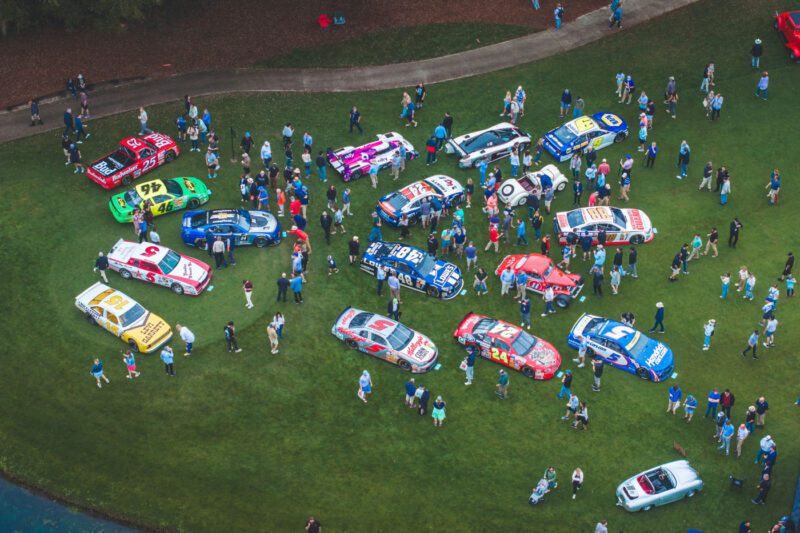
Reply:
x=538, y=492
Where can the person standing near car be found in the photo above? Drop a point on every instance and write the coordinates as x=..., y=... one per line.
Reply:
x=525, y=312
x=502, y=385
x=169, y=359
x=470, y=361
x=597, y=370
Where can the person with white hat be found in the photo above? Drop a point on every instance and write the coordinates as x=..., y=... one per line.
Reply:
x=659, y=318
x=741, y=435
x=101, y=265
x=708, y=330
x=756, y=52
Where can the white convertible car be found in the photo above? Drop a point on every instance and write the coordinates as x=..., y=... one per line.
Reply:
x=659, y=486
x=516, y=191
x=490, y=144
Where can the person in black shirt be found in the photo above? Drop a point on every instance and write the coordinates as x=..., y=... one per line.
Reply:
x=433, y=244
x=684, y=253
x=273, y=175
x=632, y=258
x=246, y=143
x=618, y=258
x=533, y=204
x=628, y=319
x=676, y=267
x=326, y=222
x=230, y=338
x=787, y=268
x=101, y=265
x=597, y=281
x=283, y=286
x=591, y=156
x=735, y=227
x=763, y=490
x=597, y=369
x=722, y=173
x=601, y=237
x=447, y=122
x=313, y=525
x=423, y=401
x=355, y=120
x=354, y=247
x=711, y=243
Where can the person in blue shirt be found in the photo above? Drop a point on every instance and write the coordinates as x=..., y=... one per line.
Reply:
x=684, y=153
x=375, y=234
x=79, y=131
x=482, y=170
x=308, y=141
x=168, y=358
x=97, y=373
x=471, y=253
x=440, y=133
x=69, y=124
x=599, y=257
x=355, y=120
x=346, y=202
x=674, y=395
x=411, y=393
x=727, y=434
x=296, y=284
x=774, y=187
x=752, y=344
x=521, y=239
x=525, y=312
x=652, y=152
x=689, y=407
x=659, y=318
x=521, y=281
x=713, y=403
x=263, y=198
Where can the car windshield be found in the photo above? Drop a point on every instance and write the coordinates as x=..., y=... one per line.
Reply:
x=548, y=271
x=425, y=265
x=482, y=326
x=400, y=337
x=575, y=218
x=524, y=343
x=199, y=219
x=173, y=188
x=619, y=217
x=594, y=325
x=131, y=315
x=566, y=134
x=487, y=138
x=169, y=262
x=132, y=198
x=638, y=347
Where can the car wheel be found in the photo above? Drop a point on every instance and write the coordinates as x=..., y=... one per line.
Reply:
x=404, y=365
x=90, y=319
x=125, y=274
x=528, y=372
x=127, y=180
x=506, y=189
x=620, y=137
x=169, y=156
x=194, y=203
x=133, y=346
x=176, y=288
x=351, y=344
x=200, y=243
x=561, y=186
x=637, y=239
x=432, y=291
x=643, y=373
x=356, y=174
x=645, y=509
x=563, y=301
x=691, y=493
x=261, y=242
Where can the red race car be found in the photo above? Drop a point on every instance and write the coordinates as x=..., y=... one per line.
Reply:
x=509, y=345
x=134, y=157
x=788, y=26
x=542, y=273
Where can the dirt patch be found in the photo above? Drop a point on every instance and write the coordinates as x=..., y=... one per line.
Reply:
x=211, y=35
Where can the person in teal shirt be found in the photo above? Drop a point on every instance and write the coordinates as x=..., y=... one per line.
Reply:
x=727, y=434
x=790, y=281
x=688, y=408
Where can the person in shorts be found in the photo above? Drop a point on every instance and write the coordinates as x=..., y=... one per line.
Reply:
x=438, y=413
x=97, y=373
x=130, y=364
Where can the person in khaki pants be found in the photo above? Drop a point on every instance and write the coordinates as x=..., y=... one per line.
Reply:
x=741, y=435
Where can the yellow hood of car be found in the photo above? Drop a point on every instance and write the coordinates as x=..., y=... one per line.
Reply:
x=153, y=333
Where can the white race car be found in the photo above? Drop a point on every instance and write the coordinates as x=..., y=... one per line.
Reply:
x=659, y=486
x=622, y=226
x=516, y=191
x=159, y=265
x=490, y=144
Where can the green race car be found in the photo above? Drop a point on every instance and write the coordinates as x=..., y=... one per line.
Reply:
x=164, y=196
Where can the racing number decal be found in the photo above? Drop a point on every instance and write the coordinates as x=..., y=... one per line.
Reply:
x=617, y=332
x=409, y=254
x=502, y=330
x=165, y=207
x=380, y=325
x=499, y=356
x=148, y=164
x=147, y=188
x=150, y=251
x=611, y=119
x=117, y=301
x=597, y=142
x=151, y=277
x=189, y=185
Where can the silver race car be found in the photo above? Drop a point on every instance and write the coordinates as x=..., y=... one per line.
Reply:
x=490, y=144
x=659, y=486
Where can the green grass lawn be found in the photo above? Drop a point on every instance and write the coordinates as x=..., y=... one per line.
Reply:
x=258, y=442
x=398, y=45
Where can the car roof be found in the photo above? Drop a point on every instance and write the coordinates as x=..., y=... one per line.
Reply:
x=99, y=297
x=387, y=324
x=583, y=124
x=446, y=184
x=125, y=250
x=533, y=263
x=150, y=193
x=224, y=216
x=606, y=328
x=597, y=214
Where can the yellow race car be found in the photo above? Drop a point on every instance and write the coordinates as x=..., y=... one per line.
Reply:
x=163, y=196
x=124, y=317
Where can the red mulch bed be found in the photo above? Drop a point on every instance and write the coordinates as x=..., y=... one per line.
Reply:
x=223, y=34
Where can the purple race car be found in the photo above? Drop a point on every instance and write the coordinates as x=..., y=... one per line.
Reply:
x=354, y=162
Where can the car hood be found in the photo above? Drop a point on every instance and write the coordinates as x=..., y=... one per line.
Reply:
x=262, y=221
x=150, y=330
x=444, y=275
x=190, y=270
x=420, y=351
x=637, y=220
x=683, y=472
x=562, y=279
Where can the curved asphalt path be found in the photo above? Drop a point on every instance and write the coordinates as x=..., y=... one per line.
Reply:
x=107, y=101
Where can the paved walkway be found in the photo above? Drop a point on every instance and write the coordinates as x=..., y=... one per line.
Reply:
x=112, y=100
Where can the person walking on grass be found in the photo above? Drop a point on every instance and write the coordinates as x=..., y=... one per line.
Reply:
x=763, y=85
x=143, y=129
x=727, y=434
x=689, y=407
x=480, y=282
x=708, y=332
x=597, y=371
x=97, y=373
x=572, y=407
x=168, y=358
x=566, y=384
x=659, y=318
x=674, y=395
x=247, y=287
x=272, y=334
x=582, y=348
x=769, y=332
x=502, y=385
x=355, y=121
x=616, y=278
x=525, y=312
x=726, y=283
x=741, y=435
x=364, y=386
x=438, y=413
x=752, y=344
x=577, y=482
x=755, y=53
x=763, y=490
x=130, y=363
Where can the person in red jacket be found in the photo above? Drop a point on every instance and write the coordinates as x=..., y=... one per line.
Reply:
x=494, y=238
x=301, y=235
x=295, y=206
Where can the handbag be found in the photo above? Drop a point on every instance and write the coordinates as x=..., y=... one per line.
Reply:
x=463, y=365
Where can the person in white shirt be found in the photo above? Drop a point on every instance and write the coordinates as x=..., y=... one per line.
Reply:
x=143, y=129
x=188, y=338
x=266, y=154
x=708, y=331
x=577, y=481
x=601, y=527
x=740, y=436
x=769, y=332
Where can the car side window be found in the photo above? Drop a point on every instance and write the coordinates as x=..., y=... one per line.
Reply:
x=97, y=309
x=213, y=229
x=377, y=338
x=146, y=152
x=112, y=318
x=416, y=205
x=534, y=275
x=144, y=265
x=590, y=228
x=607, y=227
x=161, y=198
x=402, y=267
x=364, y=333
x=614, y=346
x=500, y=345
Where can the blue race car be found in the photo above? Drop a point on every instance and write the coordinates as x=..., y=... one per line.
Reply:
x=414, y=268
x=408, y=200
x=623, y=347
x=600, y=130
x=259, y=228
